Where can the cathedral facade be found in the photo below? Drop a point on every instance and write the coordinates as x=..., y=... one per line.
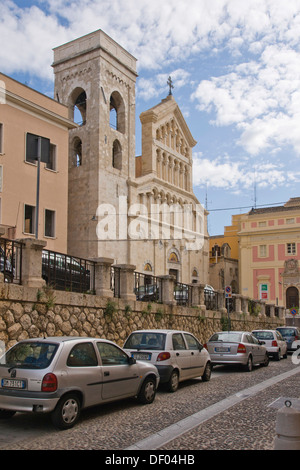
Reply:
x=136, y=210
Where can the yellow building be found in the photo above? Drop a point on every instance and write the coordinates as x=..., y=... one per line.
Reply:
x=223, y=257
x=24, y=111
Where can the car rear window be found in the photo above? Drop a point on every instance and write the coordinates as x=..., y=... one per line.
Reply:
x=146, y=340
x=287, y=331
x=227, y=336
x=29, y=355
x=263, y=335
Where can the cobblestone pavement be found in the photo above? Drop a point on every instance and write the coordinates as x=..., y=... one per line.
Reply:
x=248, y=425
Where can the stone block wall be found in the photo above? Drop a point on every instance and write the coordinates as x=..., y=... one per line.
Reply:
x=28, y=312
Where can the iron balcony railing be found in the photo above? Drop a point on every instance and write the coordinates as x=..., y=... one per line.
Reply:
x=64, y=272
x=11, y=260
x=147, y=288
x=183, y=294
x=211, y=299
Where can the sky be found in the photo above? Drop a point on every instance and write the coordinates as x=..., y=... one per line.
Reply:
x=235, y=66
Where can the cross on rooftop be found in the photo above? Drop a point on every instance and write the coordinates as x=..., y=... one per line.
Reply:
x=170, y=83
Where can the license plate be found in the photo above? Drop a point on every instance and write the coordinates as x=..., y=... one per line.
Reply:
x=142, y=356
x=222, y=349
x=13, y=383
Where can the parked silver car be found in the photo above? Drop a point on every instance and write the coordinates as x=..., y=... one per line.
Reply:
x=237, y=347
x=178, y=355
x=62, y=375
x=274, y=342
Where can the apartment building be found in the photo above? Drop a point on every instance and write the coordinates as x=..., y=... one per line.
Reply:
x=25, y=112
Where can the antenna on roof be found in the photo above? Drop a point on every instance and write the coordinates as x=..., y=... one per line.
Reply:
x=254, y=189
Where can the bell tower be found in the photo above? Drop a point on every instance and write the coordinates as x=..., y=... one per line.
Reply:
x=95, y=77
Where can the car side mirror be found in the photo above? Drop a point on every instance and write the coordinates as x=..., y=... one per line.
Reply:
x=131, y=361
x=201, y=347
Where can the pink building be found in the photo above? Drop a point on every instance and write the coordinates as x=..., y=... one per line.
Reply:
x=269, y=254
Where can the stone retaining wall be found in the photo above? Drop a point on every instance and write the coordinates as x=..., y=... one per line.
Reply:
x=27, y=312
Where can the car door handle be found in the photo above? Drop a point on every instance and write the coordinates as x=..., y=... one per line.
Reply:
x=106, y=374
x=177, y=354
x=192, y=353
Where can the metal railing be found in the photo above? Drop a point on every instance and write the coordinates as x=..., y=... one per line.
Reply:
x=64, y=272
x=115, y=280
x=11, y=260
x=211, y=300
x=147, y=288
x=183, y=294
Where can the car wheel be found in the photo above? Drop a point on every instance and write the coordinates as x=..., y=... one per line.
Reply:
x=67, y=411
x=148, y=391
x=6, y=414
x=249, y=365
x=207, y=372
x=277, y=356
x=173, y=382
x=266, y=361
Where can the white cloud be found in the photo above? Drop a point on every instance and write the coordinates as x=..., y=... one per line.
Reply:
x=235, y=176
x=260, y=98
x=258, y=94
x=27, y=37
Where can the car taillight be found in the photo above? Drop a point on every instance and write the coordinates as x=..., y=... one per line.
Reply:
x=296, y=337
x=205, y=346
x=163, y=356
x=274, y=344
x=241, y=348
x=49, y=383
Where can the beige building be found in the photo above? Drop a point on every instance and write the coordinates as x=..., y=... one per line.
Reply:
x=24, y=111
x=139, y=211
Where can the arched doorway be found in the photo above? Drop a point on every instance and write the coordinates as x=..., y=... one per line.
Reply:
x=292, y=297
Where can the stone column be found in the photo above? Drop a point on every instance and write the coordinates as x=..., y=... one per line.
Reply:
x=198, y=296
x=238, y=303
x=102, y=276
x=168, y=284
x=32, y=262
x=245, y=304
x=127, y=281
x=281, y=314
x=222, y=302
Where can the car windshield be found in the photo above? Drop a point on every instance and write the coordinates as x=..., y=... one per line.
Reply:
x=29, y=355
x=227, y=337
x=263, y=334
x=146, y=340
x=286, y=331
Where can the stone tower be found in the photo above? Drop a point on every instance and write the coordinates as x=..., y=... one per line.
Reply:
x=95, y=77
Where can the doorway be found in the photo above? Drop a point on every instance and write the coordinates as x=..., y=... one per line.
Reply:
x=174, y=272
x=292, y=297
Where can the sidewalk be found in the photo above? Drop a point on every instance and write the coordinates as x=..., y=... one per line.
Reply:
x=247, y=425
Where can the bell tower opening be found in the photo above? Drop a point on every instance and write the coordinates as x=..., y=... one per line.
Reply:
x=78, y=106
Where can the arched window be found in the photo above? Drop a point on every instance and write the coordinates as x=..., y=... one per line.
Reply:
x=117, y=112
x=117, y=155
x=78, y=105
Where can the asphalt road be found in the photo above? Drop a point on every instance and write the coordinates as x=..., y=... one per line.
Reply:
x=233, y=411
